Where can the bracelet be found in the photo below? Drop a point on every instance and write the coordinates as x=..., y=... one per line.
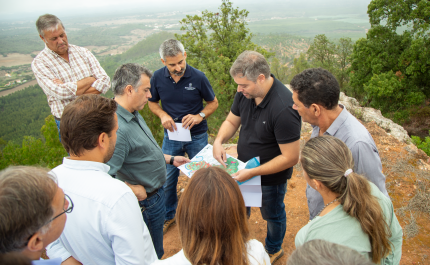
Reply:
x=171, y=160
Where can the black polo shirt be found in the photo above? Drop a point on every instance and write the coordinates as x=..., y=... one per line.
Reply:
x=264, y=127
x=184, y=97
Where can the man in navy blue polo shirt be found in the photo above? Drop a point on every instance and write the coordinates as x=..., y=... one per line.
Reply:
x=181, y=89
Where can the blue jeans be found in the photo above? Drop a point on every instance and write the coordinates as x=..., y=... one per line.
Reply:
x=177, y=148
x=58, y=127
x=153, y=215
x=273, y=211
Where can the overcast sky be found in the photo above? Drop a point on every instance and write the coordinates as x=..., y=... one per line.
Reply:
x=31, y=9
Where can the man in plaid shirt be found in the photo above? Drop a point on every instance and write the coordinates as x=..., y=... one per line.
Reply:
x=65, y=71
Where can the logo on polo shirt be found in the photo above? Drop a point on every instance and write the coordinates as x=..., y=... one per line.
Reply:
x=264, y=122
x=190, y=87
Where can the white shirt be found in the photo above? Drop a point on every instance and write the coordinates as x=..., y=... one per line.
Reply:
x=256, y=254
x=106, y=225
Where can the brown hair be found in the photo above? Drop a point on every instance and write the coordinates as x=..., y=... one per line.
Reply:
x=14, y=258
x=211, y=216
x=26, y=195
x=83, y=120
x=326, y=159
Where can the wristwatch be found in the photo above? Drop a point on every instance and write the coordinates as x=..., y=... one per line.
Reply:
x=202, y=115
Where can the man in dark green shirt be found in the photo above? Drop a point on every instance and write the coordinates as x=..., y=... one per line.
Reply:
x=138, y=160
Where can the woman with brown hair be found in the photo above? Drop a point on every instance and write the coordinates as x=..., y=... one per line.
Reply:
x=356, y=214
x=213, y=226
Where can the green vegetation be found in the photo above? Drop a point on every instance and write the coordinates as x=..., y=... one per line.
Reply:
x=390, y=70
x=422, y=144
x=213, y=41
x=45, y=152
x=22, y=114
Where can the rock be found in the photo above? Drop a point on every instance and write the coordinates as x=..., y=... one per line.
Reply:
x=371, y=114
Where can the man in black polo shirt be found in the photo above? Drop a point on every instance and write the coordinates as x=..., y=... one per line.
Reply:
x=181, y=89
x=271, y=130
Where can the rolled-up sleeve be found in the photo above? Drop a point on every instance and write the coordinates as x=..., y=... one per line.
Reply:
x=102, y=84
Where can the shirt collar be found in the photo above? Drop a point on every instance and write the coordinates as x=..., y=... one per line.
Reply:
x=266, y=99
x=334, y=127
x=125, y=114
x=85, y=165
x=186, y=74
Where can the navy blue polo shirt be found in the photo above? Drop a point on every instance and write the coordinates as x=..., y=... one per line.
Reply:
x=182, y=98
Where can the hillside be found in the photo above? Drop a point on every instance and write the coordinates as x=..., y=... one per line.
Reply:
x=408, y=182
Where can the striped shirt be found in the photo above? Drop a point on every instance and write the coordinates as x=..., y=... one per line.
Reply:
x=48, y=66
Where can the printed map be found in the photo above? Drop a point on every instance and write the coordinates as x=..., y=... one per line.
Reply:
x=205, y=159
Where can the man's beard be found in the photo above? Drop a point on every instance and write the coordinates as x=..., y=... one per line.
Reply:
x=179, y=73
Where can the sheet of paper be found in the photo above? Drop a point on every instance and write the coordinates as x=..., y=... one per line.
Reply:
x=251, y=189
x=181, y=134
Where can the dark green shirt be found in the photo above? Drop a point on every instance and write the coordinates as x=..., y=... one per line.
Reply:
x=137, y=158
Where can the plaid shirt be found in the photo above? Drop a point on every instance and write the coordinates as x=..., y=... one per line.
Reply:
x=48, y=66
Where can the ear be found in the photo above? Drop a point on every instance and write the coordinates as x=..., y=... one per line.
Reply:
x=163, y=61
x=261, y=78
x=103, y=140
x=317, y=184
x=128, y=90
x=35, y=244
x=185, y=55
x=43, y=39
x=315, y=109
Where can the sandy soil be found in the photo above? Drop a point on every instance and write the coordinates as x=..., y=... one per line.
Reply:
x=21, y=87
x=402, y=187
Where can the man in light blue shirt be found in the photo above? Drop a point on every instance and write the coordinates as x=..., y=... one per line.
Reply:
x=316, y=96
x=32, y=213
x=106, y=227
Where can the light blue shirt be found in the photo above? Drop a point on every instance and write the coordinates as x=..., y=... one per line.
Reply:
x=106, y=225
x=366, y=157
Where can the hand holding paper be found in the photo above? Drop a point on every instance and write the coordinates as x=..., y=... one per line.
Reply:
x=181, y=134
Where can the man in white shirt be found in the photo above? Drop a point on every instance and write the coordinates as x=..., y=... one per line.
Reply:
x=106, y=226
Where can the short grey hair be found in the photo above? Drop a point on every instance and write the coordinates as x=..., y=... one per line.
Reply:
x=171, y=48
x=26, y=195
x=250, y=64
x=48, y=22
x=128, y=74
x=321, y=252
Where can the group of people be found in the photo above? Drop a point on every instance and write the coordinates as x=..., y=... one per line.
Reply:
x=121, y=186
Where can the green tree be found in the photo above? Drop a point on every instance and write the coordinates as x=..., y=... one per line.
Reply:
x=213, y=41
x=46, y=152
x=280, y=71
x=343, y=53
x=389, y=56
x=321, y=53
x=299, y=64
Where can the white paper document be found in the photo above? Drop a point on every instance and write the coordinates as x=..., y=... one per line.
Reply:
x=181, y=134
x=251, y=189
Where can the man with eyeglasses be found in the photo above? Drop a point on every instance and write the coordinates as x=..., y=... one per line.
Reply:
x=32, y=212
x=106, y=227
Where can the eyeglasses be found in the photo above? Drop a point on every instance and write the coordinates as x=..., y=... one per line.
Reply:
x=68, y=210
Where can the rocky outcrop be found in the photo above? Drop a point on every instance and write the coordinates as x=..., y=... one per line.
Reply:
x=371, y=114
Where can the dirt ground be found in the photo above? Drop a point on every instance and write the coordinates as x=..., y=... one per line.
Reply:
x=408, y=183
x=13, y=59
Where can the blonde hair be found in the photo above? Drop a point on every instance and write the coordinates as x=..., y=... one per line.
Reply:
x=212, y=221
x=326, y=159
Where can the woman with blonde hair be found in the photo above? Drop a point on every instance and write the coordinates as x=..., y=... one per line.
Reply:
x=213, y=226
x=356, y=214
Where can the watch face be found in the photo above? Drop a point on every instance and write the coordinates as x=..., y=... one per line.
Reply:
x=202, y=115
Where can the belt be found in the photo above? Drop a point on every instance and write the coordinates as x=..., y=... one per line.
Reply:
x=57, y=119
x=149, y=195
